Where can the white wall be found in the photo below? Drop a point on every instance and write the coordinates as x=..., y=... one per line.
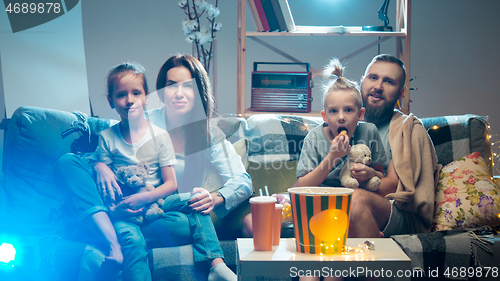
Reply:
x=45, y=65
x=453, y=48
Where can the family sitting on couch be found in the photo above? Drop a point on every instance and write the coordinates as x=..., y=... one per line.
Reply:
x=406, y=164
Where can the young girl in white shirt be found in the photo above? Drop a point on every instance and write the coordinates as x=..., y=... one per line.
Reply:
x=134, y=139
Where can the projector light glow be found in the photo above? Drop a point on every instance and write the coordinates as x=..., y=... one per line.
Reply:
x=7, y=253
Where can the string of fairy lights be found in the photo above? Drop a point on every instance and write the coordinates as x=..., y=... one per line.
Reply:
x=495, y=146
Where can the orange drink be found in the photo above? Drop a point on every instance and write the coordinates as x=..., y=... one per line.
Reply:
x=278, y=215
x=262, y=222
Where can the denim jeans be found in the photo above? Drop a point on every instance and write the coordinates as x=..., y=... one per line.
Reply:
x=75, y=181
x=134, y=249
x=206, y=246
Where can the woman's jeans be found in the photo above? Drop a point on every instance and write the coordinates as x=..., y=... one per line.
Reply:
x=76, y=182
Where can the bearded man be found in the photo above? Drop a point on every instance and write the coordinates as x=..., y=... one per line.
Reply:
x=404, y=203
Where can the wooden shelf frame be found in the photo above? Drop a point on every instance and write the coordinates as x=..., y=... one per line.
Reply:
x=401, y=34
x=359, y=33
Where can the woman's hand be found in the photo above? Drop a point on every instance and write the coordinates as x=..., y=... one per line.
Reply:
x=106, y=183
x=203, y=202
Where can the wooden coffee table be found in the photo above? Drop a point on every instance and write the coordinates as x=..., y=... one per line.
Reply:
x=387, y=261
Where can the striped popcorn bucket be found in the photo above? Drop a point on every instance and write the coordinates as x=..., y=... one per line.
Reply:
x=320, y=218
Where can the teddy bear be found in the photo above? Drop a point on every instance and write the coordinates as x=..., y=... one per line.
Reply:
x=133, y=180
x=359, y=153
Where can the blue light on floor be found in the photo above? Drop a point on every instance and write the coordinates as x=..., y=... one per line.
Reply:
x=20, y=258
x=7, y=253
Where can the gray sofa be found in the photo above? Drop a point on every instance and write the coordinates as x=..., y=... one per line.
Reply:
x=36, y=137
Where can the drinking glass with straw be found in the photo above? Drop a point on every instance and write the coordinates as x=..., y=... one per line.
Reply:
x=263, y=209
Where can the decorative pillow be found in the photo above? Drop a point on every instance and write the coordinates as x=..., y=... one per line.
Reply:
x=466, y=195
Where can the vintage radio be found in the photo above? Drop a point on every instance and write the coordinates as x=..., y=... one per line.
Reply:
x=285, y=91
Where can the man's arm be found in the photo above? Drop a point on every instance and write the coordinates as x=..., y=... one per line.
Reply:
x=389, y=183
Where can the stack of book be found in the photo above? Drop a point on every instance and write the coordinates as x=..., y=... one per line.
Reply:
x=275, y=16
x=271, y=15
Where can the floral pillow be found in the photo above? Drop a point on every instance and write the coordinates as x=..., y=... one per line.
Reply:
x=466, y=195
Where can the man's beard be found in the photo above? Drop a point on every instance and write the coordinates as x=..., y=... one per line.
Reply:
x=378, y=114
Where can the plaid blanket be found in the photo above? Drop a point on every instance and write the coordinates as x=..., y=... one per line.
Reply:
x=457, y=136
x=435, y=254
x=271, y=137
x=176, y=263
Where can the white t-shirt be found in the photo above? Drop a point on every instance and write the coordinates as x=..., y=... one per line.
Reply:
x=155, y=148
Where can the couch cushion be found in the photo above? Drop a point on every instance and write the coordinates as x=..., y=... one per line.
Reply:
x=456, y=136
x=466, y=195
x=176, y=263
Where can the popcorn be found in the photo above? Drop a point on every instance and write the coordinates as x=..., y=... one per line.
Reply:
x=287, y=212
